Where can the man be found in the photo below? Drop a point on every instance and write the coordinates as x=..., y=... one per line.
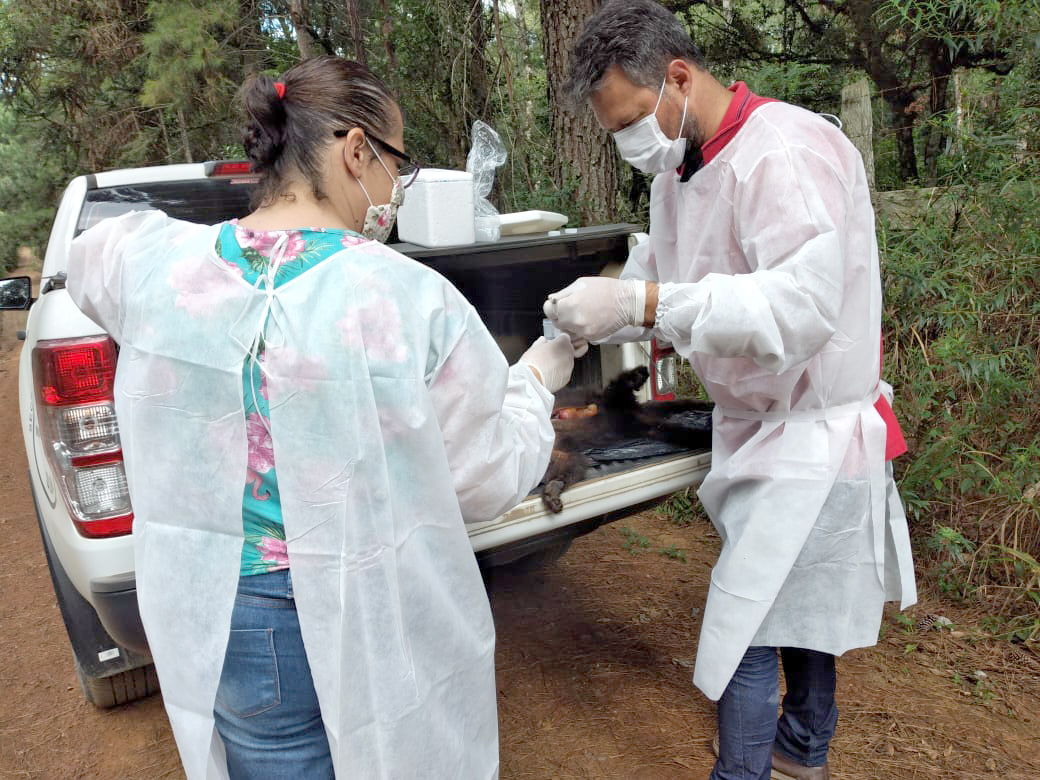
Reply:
x=762, y=270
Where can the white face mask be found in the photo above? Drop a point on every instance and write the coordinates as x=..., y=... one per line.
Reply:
x=379, y=220
x=645, y=146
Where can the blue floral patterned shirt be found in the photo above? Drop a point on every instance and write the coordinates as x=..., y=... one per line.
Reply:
x=249, y=253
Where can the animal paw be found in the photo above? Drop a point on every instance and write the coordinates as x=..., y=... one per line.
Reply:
x=551, y=496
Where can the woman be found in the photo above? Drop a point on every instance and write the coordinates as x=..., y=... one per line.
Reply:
x=302, y=427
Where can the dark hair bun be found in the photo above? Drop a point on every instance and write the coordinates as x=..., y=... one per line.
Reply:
x=287, y=138
x=263, y=135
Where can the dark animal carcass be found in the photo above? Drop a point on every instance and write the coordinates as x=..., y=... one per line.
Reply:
x=599, y=427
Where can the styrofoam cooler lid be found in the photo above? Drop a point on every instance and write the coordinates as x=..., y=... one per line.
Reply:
x=430, y=175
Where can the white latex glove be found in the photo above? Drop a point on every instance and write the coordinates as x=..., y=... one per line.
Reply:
x=553, y=360
x=595, y=307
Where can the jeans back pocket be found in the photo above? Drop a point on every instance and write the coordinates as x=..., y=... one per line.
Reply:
x=249, y=682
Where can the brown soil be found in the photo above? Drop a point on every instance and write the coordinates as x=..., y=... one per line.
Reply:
x=595, y=656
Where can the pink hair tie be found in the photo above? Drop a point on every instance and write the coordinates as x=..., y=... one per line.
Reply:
x=279, y=87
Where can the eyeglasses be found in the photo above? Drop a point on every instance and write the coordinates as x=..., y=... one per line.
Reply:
x=407, y=170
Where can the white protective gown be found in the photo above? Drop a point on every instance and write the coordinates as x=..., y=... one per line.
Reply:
x=394, y=418
x=770, y=286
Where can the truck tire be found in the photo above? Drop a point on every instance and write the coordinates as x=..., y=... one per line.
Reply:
x=119, y=688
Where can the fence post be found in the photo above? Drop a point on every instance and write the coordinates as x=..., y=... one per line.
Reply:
x=857, y=119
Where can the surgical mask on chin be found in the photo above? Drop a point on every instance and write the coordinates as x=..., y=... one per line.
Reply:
x=379, y=220
x=645, y=146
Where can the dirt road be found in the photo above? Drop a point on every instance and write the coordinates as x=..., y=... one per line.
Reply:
x=594, y=662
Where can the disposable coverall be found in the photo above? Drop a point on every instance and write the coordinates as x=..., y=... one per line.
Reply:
x=394, y=418
x=770, y=286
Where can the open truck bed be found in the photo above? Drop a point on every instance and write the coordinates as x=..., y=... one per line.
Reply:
x=507, y=281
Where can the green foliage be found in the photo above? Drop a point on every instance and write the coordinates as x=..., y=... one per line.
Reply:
x=813, y=86
x=981, y=688
x=69, y=73
x=182, y=50
x=442, y=95
x=1025, y=572
x=191, y=79
x=674, y=553
x=681, y=508
x=635, y=542
x=906, y=623
x=963, y=301
x=951, y=544
x=909, y=49
x=1021, y=628
x=982, y=692
x=977, y=26
x=951, y=550
x=26, y=193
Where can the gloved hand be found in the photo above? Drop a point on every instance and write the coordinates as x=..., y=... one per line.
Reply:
x=553, y=360
x=595, y=307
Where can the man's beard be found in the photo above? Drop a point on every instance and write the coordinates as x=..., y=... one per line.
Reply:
x=691, y=130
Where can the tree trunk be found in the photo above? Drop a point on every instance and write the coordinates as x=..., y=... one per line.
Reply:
x=941, y=68
x=476, y=66
x=466, y=88
x=519, y=125
x=356, y=31
x=903, y=124
x=961, y=126
x=857, y=118
x=182, y=123
x=868, y=55
x=248, y=40
x=165, y=137
x=585, y=159
x=388, y=35
x=503, y=57
x=299, y=13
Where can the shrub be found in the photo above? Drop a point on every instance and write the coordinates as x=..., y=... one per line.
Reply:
x=963, y=350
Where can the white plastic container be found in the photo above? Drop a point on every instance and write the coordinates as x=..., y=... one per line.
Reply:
x=520, y=222
x=438, y=209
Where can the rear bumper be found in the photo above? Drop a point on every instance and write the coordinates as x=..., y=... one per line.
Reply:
x=106, y=635
x=115, y=601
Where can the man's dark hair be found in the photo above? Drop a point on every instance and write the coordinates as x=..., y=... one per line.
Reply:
x=639, y=36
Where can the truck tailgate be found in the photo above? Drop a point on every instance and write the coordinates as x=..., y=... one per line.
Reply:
x=600, y=498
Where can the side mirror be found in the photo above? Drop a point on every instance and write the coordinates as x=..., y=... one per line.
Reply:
x=15, y=293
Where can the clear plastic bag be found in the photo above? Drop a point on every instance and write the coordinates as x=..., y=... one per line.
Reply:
x=485, y=155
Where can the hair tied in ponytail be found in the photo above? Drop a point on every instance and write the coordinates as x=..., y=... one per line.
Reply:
x=279, y=87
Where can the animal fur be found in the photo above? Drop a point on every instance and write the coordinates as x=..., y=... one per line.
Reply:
x=586, y=420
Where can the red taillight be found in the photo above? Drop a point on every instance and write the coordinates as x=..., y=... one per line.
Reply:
x=662, y=372
x=231, y=169
x=75, y=371
x=106, y=527
x=74, y=384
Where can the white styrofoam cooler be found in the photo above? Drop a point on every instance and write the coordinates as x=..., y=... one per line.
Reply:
x=438, y=209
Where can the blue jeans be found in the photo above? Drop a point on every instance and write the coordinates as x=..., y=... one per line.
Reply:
x=267, y=710
x=749, y=730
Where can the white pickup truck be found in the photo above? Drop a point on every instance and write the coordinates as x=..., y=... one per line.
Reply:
x=72, y=440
